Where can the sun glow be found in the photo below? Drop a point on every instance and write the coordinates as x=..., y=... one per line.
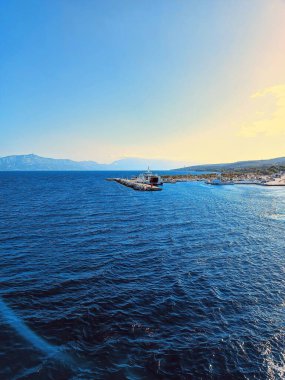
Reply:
x=274, y=123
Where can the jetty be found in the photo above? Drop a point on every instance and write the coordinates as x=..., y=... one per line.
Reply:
x=132, y=183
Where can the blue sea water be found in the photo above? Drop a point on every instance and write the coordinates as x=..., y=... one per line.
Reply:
x=102, y=282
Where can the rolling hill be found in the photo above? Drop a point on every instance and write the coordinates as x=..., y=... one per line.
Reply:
x=239, y=165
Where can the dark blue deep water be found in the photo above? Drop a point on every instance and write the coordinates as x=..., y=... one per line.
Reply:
x=102, y=282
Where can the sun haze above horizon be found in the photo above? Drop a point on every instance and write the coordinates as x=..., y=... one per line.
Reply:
x=197, y=82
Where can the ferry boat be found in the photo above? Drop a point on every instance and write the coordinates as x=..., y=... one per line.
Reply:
x=149, y=178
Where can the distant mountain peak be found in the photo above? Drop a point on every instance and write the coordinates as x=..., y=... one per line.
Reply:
x=33, y=162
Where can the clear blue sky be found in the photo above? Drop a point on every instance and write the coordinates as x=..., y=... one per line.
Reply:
x=105, y=79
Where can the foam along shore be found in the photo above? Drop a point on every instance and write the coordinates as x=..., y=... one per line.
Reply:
x=132, y=183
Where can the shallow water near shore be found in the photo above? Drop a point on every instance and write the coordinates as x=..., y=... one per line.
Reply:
x=99, y=281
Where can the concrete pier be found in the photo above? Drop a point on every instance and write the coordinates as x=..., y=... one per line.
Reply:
x=135, y=185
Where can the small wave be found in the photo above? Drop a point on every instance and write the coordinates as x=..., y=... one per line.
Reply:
x=277, y=217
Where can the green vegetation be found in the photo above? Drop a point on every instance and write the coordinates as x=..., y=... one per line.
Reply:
x=265, y=170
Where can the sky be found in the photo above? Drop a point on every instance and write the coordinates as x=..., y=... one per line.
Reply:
x=194, y=81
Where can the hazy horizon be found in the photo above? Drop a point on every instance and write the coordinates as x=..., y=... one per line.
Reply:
x=146, y=160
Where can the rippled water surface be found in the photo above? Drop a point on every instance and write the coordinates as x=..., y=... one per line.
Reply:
x=101, y=282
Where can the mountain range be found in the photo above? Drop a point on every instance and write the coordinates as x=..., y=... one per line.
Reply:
x=32, y=162
x=280, y=161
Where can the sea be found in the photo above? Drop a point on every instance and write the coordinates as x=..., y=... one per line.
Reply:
x=98, y=281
